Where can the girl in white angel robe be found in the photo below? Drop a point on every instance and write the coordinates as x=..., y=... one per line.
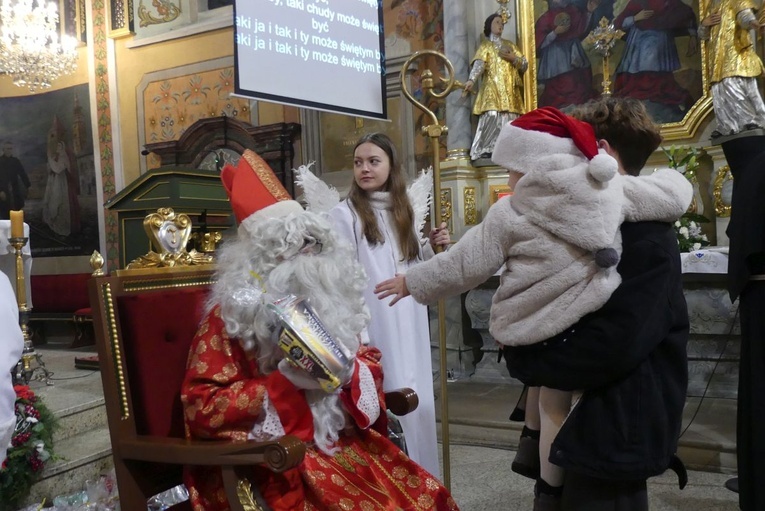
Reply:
x=401, y=333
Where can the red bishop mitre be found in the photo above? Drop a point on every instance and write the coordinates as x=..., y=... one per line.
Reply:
x=256, y=194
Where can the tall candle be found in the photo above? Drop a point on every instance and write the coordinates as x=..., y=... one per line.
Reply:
x=17, y=224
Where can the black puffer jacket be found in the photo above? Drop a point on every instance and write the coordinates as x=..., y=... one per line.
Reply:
x=629, y=358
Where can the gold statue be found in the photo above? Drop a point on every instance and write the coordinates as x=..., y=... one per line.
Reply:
x=499, y=63
x=735, y=66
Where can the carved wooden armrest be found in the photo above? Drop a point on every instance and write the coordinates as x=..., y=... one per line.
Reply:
x=401, y=401
x=278, y=455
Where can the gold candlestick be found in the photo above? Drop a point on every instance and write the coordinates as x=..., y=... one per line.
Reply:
x=602, y=38
x=24, y=368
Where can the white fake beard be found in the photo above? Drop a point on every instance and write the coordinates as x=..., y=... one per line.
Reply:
x=299, y=255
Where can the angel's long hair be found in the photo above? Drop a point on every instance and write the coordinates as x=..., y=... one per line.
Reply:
x=401, y=208
x=301, y=255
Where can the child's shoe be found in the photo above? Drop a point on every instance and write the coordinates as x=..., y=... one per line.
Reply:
x=546, y=497
x=545, y=502
x=526, y=460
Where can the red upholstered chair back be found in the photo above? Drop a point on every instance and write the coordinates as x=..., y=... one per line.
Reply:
x=157, y=330
x=144, y=323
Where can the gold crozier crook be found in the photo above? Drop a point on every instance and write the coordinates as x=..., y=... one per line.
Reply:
x=434, y=131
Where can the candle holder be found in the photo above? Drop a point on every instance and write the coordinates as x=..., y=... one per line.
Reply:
x=31, y=362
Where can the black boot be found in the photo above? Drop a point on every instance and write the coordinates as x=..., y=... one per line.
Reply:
x=526, y=460
x=546, y=497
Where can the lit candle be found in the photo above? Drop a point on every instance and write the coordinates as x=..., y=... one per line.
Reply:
x=17, y=224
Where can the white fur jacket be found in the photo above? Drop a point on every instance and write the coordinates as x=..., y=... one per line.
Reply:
x=548, y=281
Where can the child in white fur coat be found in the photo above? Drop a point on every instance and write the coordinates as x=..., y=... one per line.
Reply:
x=556, y=238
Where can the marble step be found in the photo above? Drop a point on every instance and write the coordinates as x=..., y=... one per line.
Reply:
x=82, y=457
x=82, y=439
x=79, y=419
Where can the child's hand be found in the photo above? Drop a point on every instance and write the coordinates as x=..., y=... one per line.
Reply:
x=395, y=287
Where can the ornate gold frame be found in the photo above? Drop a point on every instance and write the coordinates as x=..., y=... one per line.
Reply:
x=496, y=190
x=670, y=131
x=471, y=210
x=724, y=174
x=169, y=235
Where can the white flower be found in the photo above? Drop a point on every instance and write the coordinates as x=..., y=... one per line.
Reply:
x=39, y=446
x=31, y=419
x=684, y=232
x=696, y=246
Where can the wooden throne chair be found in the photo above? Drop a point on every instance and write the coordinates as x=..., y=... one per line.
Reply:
x=145, y=318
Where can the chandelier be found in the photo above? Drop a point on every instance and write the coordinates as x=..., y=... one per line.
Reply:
x=31, y=51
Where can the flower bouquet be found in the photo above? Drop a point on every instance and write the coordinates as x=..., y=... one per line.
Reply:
x=689, y=235
x=685, y=160
x=31, y=448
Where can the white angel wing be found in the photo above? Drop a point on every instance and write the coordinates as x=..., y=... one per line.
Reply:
x=420, y=194
x=320, y=197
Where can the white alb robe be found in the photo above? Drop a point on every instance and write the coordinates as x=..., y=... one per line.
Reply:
x=400, y=332
x=11, y=346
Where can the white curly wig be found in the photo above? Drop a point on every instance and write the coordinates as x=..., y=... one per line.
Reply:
x=298, y=254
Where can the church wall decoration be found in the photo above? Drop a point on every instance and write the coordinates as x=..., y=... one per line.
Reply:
x=55, y=148
x=104, y=127
x=120, y=18
x=677, y=96
x=173, y=104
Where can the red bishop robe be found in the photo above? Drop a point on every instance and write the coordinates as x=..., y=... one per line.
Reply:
x=223, y=396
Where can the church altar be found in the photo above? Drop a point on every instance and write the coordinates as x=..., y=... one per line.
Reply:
x=8, y=258
x=712, y=260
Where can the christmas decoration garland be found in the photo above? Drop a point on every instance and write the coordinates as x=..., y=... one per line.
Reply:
x=31, y=448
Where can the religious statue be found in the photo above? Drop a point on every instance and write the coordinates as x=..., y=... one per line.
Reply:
x=735, y=66
x=499, y=63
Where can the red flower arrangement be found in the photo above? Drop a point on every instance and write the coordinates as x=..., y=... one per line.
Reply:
x=31, y=448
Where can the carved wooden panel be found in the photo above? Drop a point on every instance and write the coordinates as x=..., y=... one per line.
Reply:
x=273, y=142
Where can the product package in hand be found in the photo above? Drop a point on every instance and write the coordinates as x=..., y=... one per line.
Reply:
x=309, y=346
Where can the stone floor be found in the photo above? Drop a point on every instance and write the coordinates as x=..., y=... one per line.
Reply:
x=481, y=438
x=481, y=480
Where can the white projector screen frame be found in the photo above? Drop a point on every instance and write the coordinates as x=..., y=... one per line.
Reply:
x=321, y=54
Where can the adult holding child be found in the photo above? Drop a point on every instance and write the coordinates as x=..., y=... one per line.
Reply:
x=631, y=350
x=556, y=240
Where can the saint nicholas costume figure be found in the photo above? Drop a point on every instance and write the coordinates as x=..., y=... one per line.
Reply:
x=240, y=386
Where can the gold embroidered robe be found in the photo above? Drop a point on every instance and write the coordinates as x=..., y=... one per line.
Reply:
x=223, y=396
